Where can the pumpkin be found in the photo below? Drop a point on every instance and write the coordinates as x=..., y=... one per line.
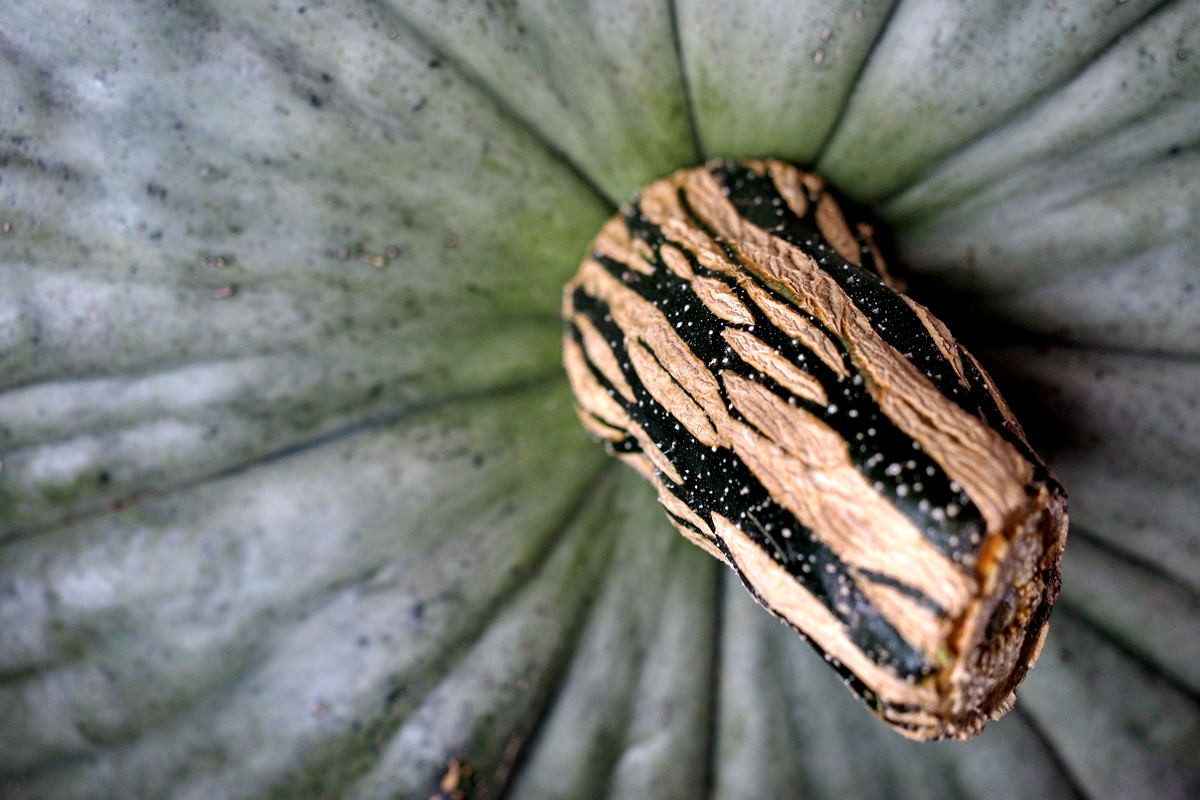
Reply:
x=294, y=502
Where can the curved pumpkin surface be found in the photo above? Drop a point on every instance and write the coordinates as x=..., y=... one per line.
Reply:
x=293, y=500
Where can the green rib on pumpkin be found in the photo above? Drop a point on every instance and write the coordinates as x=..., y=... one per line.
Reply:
x=279, y=521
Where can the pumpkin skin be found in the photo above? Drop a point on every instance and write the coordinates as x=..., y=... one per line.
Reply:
x=278, y=522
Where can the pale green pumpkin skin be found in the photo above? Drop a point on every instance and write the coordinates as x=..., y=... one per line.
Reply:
x=300, y=523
